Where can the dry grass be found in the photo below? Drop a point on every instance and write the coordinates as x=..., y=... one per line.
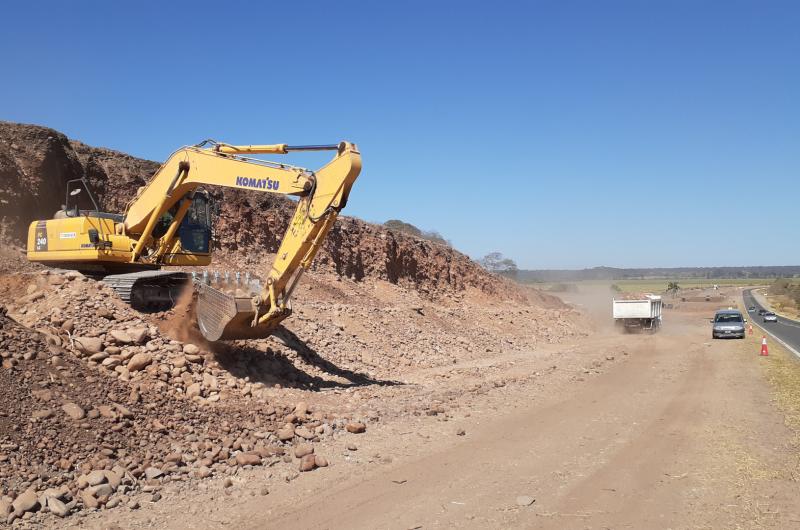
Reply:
x=782, y=371
x=736, y=467
x=783, y=305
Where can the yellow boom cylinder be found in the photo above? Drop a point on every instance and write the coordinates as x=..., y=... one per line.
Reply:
x=266, y=149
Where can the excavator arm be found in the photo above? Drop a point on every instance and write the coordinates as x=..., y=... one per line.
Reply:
x=322, y=194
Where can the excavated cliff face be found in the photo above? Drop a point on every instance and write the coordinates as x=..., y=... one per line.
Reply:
x=36, y=163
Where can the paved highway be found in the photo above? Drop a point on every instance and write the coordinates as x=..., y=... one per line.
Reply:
x=785, y=329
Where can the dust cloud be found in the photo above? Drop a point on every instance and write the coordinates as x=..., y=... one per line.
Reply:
x=594, y=300
x=181, y=325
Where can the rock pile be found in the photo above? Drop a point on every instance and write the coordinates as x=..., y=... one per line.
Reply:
x=78, y=434
x=100, y=405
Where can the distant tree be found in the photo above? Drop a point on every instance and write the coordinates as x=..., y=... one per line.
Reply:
x=673, y=287
x=497, y=263
x=408, y=228
x=402, y=226
x=433, y=235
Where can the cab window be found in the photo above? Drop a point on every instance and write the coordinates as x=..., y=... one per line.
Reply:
x=195, y=229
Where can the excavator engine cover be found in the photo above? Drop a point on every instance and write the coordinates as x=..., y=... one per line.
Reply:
x=225, y=316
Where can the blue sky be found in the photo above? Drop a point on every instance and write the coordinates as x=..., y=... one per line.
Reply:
x=564, y=134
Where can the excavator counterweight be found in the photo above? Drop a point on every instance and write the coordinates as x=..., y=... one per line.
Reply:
x=169, y=224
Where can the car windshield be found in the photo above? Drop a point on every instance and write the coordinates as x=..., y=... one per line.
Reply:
x=769, y=314
x=729, y=317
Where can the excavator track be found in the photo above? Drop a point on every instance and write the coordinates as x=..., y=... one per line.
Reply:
x=148, y=291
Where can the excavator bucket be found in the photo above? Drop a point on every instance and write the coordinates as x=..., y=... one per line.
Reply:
x=229, y=316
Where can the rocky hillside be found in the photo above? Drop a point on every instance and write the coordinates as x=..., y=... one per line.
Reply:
x=36, y=163
x=390, y=326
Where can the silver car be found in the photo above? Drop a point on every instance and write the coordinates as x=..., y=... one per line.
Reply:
x=728, y=323
x=769, y=316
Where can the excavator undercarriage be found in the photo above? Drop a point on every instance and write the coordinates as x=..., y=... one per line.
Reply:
x=149, y=291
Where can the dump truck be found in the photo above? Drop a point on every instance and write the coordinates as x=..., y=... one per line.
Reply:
x=637, y=312
x=169, y=222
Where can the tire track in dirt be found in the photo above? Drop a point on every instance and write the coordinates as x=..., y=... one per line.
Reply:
x=548, y=452
x=635, y=447
x=640, y=479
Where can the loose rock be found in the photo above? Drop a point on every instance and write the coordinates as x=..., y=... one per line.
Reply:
x=121, y=337
x=308, y=463
x=286, y=433
x=88, y=345
x=153, y=473
x=26, y=502
x=248, y=459
x=524, y=500
x=139, y=361
x=302, y=450
x=193, y=390
x=74, y=411
x=95, y=477
x=356, y=427
x=57, y=507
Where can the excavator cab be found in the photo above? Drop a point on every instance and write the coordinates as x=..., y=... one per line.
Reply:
x=196, y=228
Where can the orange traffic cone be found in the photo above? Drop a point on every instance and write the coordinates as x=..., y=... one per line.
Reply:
x=764, y=349
x=749, y=329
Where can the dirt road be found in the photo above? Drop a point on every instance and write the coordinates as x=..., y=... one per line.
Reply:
x=672, y=431
x=674, y=437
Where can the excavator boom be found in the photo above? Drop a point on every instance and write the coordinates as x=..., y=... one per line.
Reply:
x=224, y=316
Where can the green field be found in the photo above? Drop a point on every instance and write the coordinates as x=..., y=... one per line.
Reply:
x=655, y=285
x=687, y=283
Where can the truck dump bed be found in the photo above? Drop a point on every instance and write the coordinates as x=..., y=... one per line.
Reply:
x=637, y=306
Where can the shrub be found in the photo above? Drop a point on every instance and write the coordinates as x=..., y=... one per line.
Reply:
x=408, y=228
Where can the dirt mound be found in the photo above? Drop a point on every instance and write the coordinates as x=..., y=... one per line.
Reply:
x=141, y=408
x=137, y=408
x=36, y=162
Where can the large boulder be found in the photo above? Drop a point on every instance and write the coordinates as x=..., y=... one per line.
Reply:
x=88, y=345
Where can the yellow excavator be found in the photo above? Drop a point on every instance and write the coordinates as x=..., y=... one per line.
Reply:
x=169, y=223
